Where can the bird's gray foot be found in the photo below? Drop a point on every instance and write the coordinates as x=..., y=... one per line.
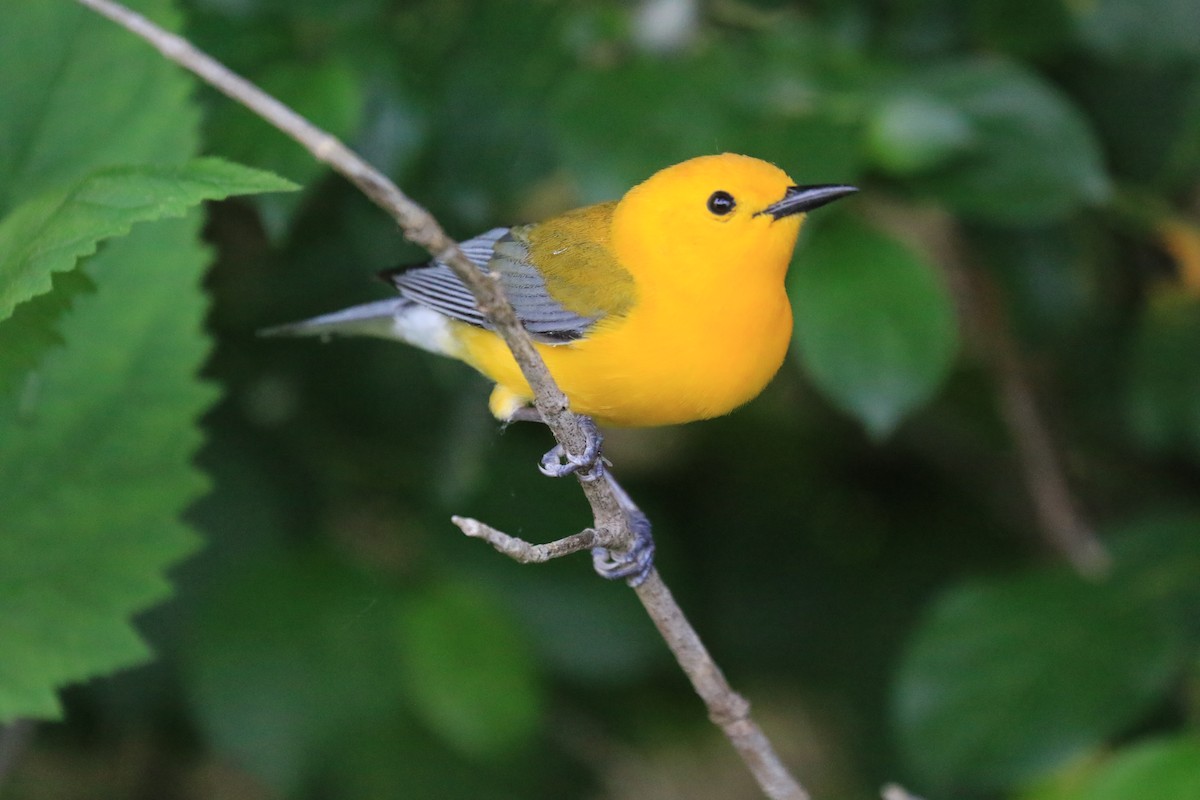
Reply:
x=558, y=463
x=635, y=563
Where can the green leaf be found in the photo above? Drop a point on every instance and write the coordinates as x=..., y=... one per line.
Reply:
x=49, y=234
x=1164, y=770
x=1156, y=564
x=1158, y=769
x=1163, y=390
x=466, y=676
x=80, y=93
x=96, y=452
x=1034, y=157
x=33, y=327
x=288, y=655
x=1009, y=678
x=96, y=469
x=911, y=132
x=1149, y=32
x=875, y=327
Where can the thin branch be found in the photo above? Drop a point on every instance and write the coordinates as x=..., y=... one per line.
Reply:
x=727, y=709
x=524, y=552
x=1059, y=518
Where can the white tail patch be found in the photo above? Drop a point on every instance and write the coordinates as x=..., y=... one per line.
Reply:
x=425, y=328
x=397, y=319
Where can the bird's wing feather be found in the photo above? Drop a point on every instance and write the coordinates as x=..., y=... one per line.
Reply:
x=505, y=251
x=436, y=286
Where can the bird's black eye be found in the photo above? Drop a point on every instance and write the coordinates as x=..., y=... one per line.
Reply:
x=720, y=203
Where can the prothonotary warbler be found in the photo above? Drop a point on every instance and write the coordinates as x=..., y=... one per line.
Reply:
x=663, y=307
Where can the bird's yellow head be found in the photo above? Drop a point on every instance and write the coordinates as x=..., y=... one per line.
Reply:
x=716, y=215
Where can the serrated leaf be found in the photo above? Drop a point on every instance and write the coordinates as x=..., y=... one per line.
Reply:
x=50, y=233
x=1013, y=677
x=465, y=675
x=96, y=469
x=80, y=93
x=1033, y=156
x=33, y=327
x=875, y=327
x=96, y=453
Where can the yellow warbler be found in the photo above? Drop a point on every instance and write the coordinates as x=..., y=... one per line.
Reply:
x=663, y=307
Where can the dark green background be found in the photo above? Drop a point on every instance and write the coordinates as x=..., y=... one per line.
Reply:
x=857, y=547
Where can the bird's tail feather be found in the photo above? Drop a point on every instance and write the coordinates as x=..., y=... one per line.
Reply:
x=369, y=319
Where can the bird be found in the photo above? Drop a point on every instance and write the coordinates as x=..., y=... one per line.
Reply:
x=664, y=307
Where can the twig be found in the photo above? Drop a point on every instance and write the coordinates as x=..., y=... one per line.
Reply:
x=522, y=551
x=727, y=709
x=1059, y=519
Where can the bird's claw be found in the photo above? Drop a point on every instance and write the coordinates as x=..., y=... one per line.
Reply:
x=634, y=564
x=558, y=463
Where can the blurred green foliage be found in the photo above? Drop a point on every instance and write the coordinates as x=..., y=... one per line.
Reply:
x=858, y=547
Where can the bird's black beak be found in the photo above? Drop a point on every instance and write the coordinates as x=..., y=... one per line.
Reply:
x=805, y=198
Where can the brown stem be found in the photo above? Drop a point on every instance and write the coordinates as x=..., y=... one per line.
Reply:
x=1059, y=519
x=524, y=552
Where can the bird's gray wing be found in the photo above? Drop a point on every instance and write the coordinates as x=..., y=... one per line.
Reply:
x=505, y=251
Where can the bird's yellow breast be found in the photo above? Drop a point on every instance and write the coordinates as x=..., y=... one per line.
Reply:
x=646, y=370
x=704, y=320
x=691, y=348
